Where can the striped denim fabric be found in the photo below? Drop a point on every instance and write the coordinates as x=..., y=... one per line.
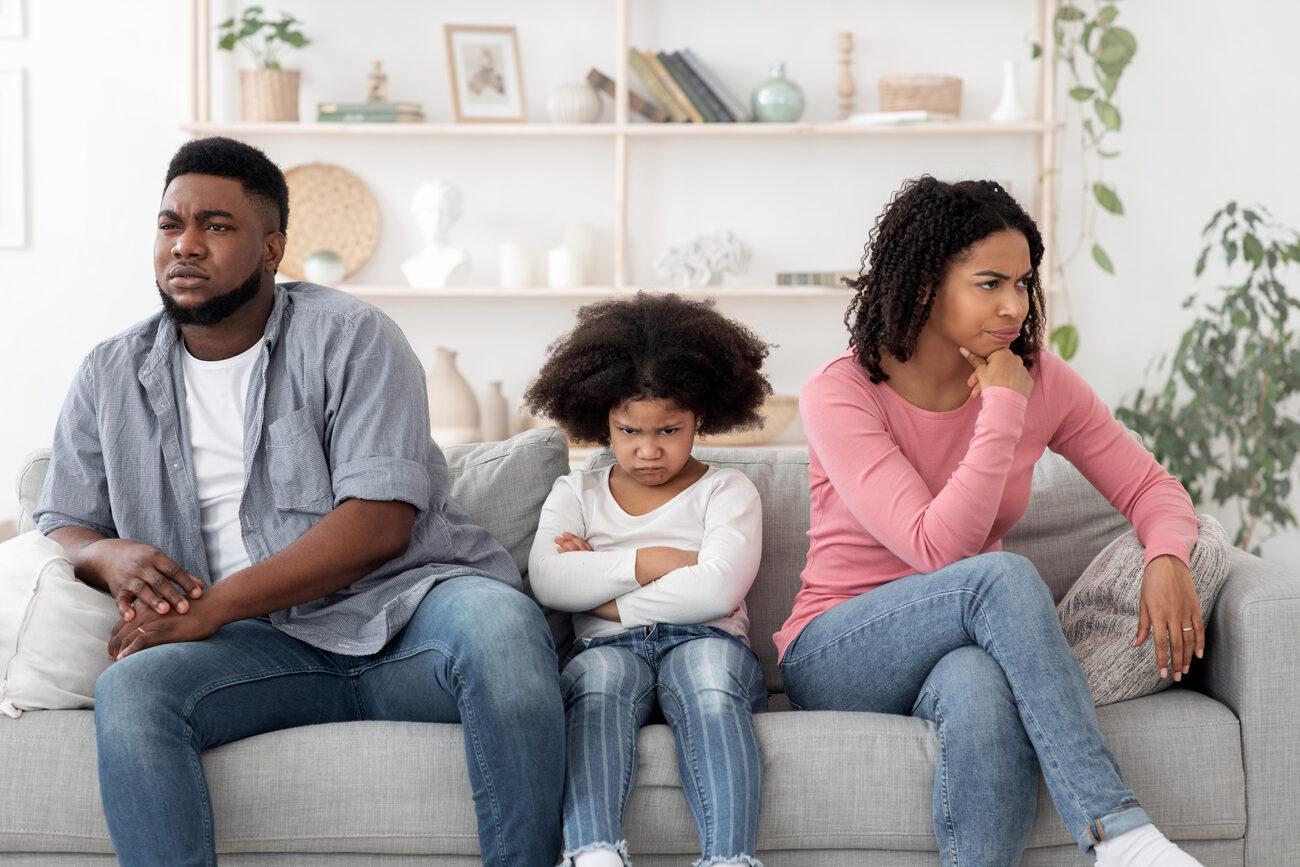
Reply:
x=336, y=409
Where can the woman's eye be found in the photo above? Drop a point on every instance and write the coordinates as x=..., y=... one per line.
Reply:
x=989, y=284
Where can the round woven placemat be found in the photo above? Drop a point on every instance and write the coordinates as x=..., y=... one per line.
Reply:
x=329, y=209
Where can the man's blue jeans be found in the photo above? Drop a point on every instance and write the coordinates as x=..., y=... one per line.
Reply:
x=976, y=648
x=708, y=685
x=477, y=652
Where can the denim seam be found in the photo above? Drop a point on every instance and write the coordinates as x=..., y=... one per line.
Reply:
x=943, y=776
x=205, y=797
x=471, y=733
x=706, y=814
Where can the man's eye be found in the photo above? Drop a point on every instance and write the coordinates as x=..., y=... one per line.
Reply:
x=219, y=227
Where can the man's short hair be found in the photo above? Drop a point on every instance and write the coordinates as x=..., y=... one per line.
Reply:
x=226, y=158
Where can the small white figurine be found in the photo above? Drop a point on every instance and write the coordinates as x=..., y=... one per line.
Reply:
x=702, y=261
x=436, y=206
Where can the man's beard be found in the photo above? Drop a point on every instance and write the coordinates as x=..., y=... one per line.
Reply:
x=215, y=309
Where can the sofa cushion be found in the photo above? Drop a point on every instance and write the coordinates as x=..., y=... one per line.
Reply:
x=53, y=629
x=1099, y=614
x=781, y=477
x=31, y=476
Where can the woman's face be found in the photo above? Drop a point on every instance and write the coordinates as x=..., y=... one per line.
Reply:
x=983, y=299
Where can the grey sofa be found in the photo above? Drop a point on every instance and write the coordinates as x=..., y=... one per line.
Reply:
x=1215, y=761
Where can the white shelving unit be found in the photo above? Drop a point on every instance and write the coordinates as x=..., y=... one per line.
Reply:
x=1044, y=129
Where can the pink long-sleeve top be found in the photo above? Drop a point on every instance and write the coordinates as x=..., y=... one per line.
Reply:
x=897, y=490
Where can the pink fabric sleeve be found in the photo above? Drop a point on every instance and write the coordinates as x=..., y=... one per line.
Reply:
x=1116, y=464
x=882, y=489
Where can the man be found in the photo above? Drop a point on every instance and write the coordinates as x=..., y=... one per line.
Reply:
x=249, y=473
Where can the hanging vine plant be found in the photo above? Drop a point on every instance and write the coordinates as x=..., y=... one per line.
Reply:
x=1094, y=51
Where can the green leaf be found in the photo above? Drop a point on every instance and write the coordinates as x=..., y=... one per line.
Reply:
x=1200, y=267
x=1107, y=14
x=1107, y=113
x=1070, y=13
x=227, y=42
x=1035, y=51
x=1116, y=48
x=1107, y=155
x=1082, y=94
x=1231, y=208
x=1103, y=261
x=1251, y=250
x=1107, y=198
x=1066, y=340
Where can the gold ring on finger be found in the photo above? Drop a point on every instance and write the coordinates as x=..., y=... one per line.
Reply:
x=140, y=629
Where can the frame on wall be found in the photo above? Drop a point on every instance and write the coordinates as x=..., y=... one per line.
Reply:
x=486, y=83
x=11, y=19
x=13, y=186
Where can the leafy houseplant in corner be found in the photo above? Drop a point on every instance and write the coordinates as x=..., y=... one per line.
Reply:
x=1225, y=422
x=267, y=92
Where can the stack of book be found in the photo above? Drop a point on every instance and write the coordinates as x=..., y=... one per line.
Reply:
x=815, y=278
x=370, y=112
x=686, y=88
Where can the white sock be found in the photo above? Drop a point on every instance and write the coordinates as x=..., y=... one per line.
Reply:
x=1144, y=846
x=598, y=858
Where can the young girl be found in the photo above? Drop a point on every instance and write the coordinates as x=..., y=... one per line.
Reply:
x=922, y=441
x=654, y=555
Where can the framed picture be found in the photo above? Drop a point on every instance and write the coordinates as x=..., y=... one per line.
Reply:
x=486, y=84
x=11, y=18
x=13, y=185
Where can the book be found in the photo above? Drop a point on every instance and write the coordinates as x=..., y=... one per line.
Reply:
x=670, y=84
x=370, y=107
x=815, y=278
x=714, y=84
x=637, y=61
x=694, y=95
x=641, y=106
x=696, y=88
x=369, y=117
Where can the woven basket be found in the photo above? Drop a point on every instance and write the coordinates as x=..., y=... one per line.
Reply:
x=329, y=209
x=777, y=412
x=268, y=94
x=941, y=93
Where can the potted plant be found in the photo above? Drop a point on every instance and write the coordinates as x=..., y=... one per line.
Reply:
x=267, y=92
x=1227, y=420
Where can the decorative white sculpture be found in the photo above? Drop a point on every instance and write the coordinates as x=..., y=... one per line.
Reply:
x=436, y=206
x=702, y=261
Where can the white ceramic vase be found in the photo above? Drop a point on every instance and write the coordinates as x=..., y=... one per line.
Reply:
x=1009, y=108
x=453, y=408
x=573, y=103
x=496, y=414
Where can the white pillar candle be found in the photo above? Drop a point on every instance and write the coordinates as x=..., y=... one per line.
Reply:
x=564, y=268
x=515, y=266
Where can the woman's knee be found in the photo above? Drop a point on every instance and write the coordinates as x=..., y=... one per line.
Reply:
x=1016, y=577
x=968, y=688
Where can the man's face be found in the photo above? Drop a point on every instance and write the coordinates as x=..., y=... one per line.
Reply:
x=213, y=249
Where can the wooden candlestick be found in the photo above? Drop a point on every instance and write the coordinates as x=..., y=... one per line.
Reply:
x=845, y=88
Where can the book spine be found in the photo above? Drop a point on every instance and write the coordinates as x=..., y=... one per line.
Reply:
x=696, y=87
x=724, y=96
x=697, y=99
x=656, y=87
x=368, y=117
x=813, y=278
x=644, y=107
x=670, y=84
x=367, y=107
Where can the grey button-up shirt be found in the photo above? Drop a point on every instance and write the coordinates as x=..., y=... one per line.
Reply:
x=336, y=409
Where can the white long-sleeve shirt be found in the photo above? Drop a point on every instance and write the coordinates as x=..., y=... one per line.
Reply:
x=719, y=516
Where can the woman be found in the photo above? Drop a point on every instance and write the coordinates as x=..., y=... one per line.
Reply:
x=922, y=440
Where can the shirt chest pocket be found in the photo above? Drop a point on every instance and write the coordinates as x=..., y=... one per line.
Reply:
x=300, y=473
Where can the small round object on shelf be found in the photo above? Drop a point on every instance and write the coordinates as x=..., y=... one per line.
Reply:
x=574, y=103
x=324, y=267
x=777, y=100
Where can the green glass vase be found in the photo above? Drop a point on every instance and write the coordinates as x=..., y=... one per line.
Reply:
x=777, y=100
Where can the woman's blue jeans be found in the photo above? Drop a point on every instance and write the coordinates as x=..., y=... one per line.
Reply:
x=476, y=652
x=708, y=685
x=976, y=648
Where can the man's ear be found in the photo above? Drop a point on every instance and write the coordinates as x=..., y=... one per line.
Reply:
x=274, y=250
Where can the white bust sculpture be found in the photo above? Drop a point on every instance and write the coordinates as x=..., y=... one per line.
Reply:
x=436, y=206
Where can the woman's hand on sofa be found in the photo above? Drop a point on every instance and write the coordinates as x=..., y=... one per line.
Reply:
x=1169, y=606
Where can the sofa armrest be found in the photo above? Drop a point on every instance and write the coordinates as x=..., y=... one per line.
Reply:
x=1252, y=665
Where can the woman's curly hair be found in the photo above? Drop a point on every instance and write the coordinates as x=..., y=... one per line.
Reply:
x=651, y=346
x=926, y=226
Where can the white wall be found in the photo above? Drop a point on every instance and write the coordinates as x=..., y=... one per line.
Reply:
x=106, y=89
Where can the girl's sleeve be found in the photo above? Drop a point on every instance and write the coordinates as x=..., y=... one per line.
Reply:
x=729, y=554
x=574, y=580
x=1117, y=465
x=885, y=493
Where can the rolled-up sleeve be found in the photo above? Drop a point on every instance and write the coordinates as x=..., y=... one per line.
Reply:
x=75, y=493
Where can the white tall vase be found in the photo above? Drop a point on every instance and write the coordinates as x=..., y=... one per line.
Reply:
x=453, y=408
x=496, y=414
x=1009, y=107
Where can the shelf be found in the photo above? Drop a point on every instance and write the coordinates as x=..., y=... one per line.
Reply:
x=830, y=129
x=364, y=290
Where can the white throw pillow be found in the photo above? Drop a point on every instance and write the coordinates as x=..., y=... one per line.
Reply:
x=1099, y=614
x=54, y=629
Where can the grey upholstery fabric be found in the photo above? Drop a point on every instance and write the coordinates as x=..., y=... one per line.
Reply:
x=1099, y=614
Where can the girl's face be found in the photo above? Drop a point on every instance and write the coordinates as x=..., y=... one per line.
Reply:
x=652, y=439
x=984, y=297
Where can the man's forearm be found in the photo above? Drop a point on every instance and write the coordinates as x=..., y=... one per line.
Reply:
x=73, y=540
x=348, y=543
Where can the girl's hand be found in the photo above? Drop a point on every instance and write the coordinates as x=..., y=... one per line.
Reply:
x=569, y=542
x=1002, y=368
x=1170, y=609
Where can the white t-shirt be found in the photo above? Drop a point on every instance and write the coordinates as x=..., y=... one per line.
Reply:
x=215, y=395
x=720, y=516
